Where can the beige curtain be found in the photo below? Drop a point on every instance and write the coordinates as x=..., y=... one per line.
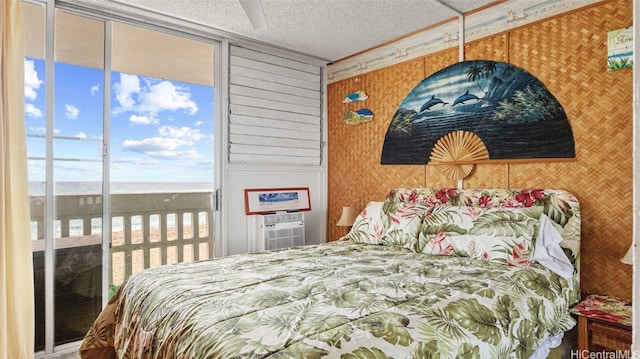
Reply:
x=16, y=265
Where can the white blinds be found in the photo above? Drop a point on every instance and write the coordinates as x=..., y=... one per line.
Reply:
x=140, y=51
x=33, y=17
x=275, y=108
x=79, y=40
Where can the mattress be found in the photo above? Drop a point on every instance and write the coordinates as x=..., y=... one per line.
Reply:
x=336, y=300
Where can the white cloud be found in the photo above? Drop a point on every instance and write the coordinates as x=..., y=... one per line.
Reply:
x=143, y=120
x=147, y=99
x=161, y=147
x=128, y=86
x=198, y=123
x=32, y=110
x=184, y=133
x=81, y=135
x=153, y=144
x=71, y=112
x=31, y=81
x=205, y=165
x=135, y=161
x=94, y=89
x=175, y=155
x=166, y=96
x=38, y=129
x=209, y=141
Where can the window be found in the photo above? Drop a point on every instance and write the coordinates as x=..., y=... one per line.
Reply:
x=122, y=111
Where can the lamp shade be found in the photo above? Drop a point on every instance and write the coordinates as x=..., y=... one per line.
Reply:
x=628, y=258
x=348, y=217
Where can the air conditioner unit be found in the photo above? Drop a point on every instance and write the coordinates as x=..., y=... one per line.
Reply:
x=281, y=230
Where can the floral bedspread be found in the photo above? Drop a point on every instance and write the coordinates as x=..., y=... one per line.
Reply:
x=336, y=300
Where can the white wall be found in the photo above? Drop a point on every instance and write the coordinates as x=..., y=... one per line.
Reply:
x=234, y=227
x=239, y=225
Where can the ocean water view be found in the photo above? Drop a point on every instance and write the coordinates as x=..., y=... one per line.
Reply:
x=117, y=225
x=119, y=188
x=78, y=188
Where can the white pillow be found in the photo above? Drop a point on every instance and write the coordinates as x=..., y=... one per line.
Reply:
x=548, y=251
x=399, y=228
x=368, y=226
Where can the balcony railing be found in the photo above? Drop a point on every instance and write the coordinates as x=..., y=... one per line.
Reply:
x=147, y=230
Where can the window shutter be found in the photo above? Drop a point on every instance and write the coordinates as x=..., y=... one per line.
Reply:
x=275, y=107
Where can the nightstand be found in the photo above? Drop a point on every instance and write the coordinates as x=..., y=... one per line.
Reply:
x=604, y=325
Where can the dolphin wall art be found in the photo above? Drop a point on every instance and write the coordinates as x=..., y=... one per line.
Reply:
x=432, y=102
x=512, y=112
x=464, y=98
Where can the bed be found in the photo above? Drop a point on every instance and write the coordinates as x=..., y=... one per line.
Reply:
x=425, y=273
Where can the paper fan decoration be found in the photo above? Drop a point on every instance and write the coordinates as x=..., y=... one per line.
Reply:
x=515, y=115
x=458, y=146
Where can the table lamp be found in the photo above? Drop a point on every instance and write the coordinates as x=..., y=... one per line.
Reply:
x=628, y=258
x=348, y=217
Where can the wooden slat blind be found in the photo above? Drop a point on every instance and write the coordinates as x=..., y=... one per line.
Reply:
x=275, y=109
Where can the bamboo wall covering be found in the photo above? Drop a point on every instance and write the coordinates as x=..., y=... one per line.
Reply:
x=568, y=53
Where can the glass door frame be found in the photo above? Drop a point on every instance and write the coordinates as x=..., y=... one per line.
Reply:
x=220, y=49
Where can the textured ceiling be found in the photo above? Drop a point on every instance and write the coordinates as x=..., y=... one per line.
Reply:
x=327, y=29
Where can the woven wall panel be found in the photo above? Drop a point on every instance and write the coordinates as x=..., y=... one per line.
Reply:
x=439, y=61
x=488, y=176
x=355, y=174
x=568, y=54
x=494, y=48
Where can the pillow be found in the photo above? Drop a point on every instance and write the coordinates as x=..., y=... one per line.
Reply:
x=403, y=225
x=548, y=251
x=512, y=251
x=368, y=226
x=388, y=223
x=494, y=234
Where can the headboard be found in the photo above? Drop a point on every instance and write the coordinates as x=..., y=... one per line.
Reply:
x=559, y=205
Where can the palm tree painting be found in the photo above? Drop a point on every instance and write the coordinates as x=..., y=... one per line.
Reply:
x=506, y=112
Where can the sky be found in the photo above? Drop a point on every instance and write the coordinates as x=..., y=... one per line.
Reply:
x=160, y=130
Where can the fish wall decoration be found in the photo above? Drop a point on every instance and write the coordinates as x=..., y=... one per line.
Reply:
x=359, y=116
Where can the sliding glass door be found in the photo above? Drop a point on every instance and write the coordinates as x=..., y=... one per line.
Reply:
x=65, y=169
x=119, y=122
x=36, y=131
x=161, y=150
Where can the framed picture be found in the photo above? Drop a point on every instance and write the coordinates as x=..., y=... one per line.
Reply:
x=270, y=200
x=620, y=49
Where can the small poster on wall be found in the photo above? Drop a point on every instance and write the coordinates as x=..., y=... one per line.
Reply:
x=620, y=49
x=271, y=200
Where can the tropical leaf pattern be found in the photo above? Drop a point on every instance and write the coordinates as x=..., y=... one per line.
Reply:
x=389, y=223
x=336, y=300
x=491, y=224
x=494, y=234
